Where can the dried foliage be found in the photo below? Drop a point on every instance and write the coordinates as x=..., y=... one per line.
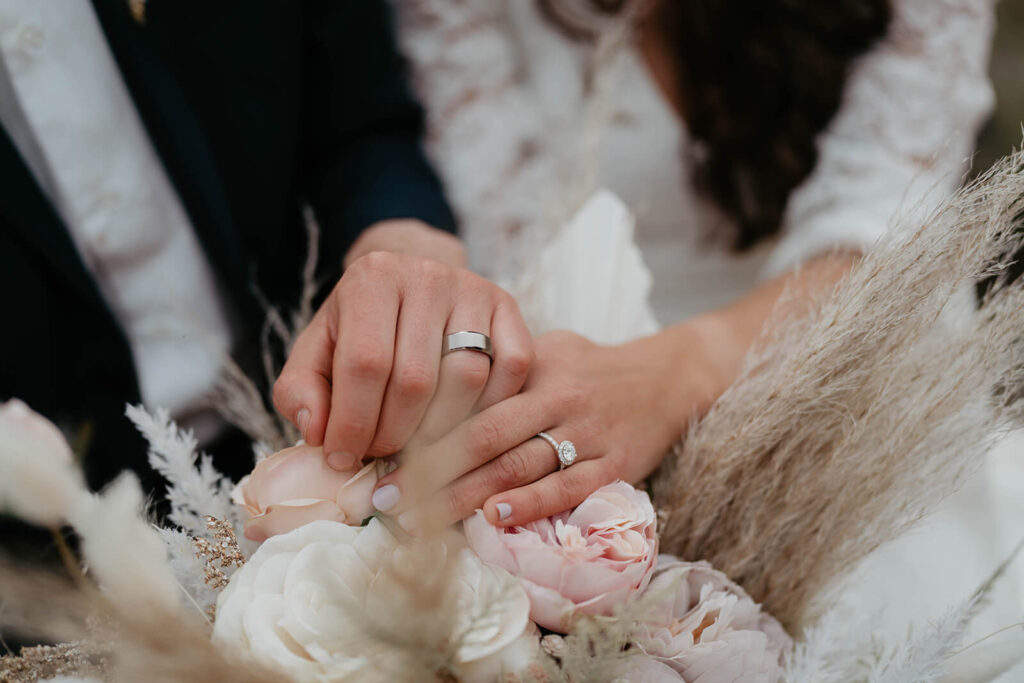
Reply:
x=111, y=641
x=195, y=487
x=236, y=396
x=49, y=661
x=220, y=553
x=849, y=424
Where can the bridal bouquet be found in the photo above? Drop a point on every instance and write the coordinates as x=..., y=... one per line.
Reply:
x=846, y=427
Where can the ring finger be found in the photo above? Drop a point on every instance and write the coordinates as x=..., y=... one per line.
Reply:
x=463, y=376
x=470, y=445
x=557, y=492
x=522, y=465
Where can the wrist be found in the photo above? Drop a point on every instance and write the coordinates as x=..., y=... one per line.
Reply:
x=409, y=236
x=702, y=358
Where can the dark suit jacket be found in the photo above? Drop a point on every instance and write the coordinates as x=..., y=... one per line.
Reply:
x=255, y=107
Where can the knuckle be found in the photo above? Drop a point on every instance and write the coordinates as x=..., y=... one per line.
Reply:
x=368, y=361
x=485, y=438
x=377, y=262
x=565, y=488
x=354, y=428
x=415, y=381
x=433, y=272
x=454, y=502
x=280, y=393
x=384, y=445
x=472, y=372
x=574, y=392
x=512, y=469
x=517, y=363
x=536, y=504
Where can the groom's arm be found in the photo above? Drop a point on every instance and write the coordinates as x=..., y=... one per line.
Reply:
x=362, y=132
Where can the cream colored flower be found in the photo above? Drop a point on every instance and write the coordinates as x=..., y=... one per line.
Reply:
x=301, y=604
x=707, y=628
x=295, y=486
x=38, y=477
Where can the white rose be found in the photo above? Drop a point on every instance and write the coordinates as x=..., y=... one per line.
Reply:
x=496, y=636
x=301, y=603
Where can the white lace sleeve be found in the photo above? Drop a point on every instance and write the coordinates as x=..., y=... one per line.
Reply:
x=495, y=146
x=903, y=135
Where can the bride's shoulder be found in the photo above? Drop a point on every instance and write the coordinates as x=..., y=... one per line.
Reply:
x=922, y=30
x=928, y=77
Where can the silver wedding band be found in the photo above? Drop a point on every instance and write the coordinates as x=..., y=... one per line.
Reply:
x=467, y=341
x=565, y=450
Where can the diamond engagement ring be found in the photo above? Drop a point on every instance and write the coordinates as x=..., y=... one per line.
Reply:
x=566, y=450
x=467, y=341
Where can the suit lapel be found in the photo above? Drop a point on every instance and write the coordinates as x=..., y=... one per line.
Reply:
x=27, y=210
x=179, y=140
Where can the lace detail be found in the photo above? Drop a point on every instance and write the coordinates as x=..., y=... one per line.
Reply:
x=901, y=141
x=510, y=120
x=497, y=149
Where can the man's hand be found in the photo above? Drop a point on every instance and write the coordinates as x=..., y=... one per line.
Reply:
x=367, y=375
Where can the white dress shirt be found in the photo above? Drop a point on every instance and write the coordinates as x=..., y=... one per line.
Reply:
x=83, y=138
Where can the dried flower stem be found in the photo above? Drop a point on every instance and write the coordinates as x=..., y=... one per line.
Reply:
x=851, y=423
x=223, y=552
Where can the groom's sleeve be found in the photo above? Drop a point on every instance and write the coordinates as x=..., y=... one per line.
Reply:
x=362, y=127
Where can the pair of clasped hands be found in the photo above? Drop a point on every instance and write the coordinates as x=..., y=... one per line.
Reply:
x=367, y=379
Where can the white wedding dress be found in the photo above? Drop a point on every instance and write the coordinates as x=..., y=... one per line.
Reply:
x=522, y=139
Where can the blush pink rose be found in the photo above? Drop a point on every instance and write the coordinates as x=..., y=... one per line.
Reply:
x=708, y=629
x=294, y=487
x=584, y=561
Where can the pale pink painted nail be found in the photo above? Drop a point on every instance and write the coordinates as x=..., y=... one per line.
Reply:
x=504, y=510
x=386, y=497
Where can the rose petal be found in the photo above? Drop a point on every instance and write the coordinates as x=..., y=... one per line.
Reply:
x=548, y=608
x=289, y=515
x=486, y=541
x=355, y=496
x=297, y=472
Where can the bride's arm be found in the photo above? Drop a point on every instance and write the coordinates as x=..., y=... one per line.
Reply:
x=622, y=406
x=730, y=331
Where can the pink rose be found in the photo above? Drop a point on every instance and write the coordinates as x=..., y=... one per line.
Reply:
x=707, y=628
x=585, y=561
x=295, y=486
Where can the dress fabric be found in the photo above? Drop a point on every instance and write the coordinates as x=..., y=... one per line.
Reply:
x=525, y=124
x=522, y=134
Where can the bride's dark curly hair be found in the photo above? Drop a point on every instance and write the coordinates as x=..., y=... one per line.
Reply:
x=760, y=79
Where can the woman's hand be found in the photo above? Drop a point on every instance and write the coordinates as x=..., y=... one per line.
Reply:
x=367, y=373
x=622, y=406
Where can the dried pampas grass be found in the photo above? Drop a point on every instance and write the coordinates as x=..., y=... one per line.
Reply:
x=110, y=639
x=849, y=424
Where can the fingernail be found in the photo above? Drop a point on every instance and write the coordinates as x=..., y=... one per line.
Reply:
x=386, y=497
x=504, y=510
x=407, y=520
x=302, y=419
x=341, y=461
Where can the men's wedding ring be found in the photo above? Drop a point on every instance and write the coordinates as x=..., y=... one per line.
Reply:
x=467, y=341
x=566, y=450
